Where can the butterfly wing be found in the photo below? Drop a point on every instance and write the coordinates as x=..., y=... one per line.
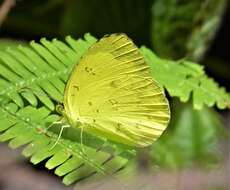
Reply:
x=112, y=93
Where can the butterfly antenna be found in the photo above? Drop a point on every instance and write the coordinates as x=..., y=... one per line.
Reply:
x=59, y=136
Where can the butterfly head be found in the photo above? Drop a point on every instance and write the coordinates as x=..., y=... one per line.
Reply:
x=60, y=109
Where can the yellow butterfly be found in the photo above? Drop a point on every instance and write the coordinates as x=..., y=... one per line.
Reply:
x=111, y=93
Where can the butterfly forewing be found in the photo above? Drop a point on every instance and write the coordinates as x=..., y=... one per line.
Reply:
x=112, y=94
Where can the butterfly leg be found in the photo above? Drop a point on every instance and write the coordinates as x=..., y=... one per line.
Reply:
x=59, y=136
x=60, y=121
x=81, y=141
x=54, y=123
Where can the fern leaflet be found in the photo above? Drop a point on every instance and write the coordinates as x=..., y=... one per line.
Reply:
x=184, y=79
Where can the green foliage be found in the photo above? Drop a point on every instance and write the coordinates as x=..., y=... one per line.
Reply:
x=185, y=28
x=30, y=75
x=28, y=125
x=184, y=79
x=192, y=138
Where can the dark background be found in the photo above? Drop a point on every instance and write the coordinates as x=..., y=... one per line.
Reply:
x=31, y=20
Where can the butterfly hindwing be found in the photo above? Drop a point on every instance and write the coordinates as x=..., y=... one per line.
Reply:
x=112, y=92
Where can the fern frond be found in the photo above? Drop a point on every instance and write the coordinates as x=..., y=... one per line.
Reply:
x=184, y=79
x=44, y=69
x=26, y=114
x=27, y=126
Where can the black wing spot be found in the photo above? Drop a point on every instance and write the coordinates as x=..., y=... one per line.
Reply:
x=77, y=87
x=90, y=103
x=87, y=69
x=113, y=101
x=97, y=110
x=137, y=126
x=118, y=128
x=94, y=120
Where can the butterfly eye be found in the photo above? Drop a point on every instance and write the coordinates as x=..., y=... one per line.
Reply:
x=60, y=108
x=113, y=101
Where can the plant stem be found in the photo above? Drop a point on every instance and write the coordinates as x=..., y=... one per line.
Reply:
x=5, y=8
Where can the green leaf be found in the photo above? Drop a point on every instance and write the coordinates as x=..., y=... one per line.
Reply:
x=186, y=79
x=9, y=43
x=43, y=69
x=193, y=138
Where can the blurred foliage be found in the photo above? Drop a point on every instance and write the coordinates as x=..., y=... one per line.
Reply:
x=185, y=28
x=105, y=16
x=191, y=139
x=188, y=26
